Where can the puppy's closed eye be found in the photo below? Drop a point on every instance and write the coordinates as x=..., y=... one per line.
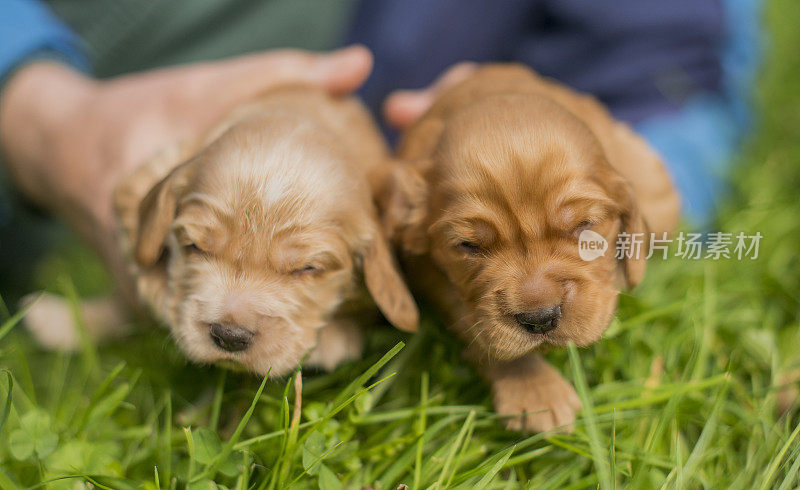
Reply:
x=192, y=248
x=582, y=226
x=196, y=235
x=307, y=270
x=470, y=237
x=302, y=262
x=470, y=248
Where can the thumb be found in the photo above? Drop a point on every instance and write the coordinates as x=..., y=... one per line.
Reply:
x=403, y=107
x=340, y=72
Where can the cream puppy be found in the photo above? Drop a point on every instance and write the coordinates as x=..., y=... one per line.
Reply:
x=250, y=244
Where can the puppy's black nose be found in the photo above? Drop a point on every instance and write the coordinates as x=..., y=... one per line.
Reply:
x=231, y=339
x=539, y=321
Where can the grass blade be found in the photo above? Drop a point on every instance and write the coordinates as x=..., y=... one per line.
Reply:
x=599, y=455
x=494, y=470
x=453, y=449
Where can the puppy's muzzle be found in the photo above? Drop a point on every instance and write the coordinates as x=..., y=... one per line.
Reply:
x=231, y=339
x=539, y=321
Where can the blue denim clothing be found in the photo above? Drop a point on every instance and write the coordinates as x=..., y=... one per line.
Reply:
x=700, y=141
x=28, y=27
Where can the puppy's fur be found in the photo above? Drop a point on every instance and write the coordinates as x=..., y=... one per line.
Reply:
x=265, y=224
x=490, y=191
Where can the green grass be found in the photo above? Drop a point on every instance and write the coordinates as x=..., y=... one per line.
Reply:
x=680, y=393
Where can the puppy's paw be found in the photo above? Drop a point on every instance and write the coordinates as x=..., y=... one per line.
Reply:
x=50, y=321
x=337, y=342
x=537, y=402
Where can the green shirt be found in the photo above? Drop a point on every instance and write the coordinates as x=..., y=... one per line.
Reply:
x=124, y=36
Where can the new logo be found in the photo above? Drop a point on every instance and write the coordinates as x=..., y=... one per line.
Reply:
x=591, y=245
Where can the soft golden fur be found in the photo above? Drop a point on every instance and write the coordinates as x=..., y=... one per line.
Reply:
x=490, y=191
x=266, y=224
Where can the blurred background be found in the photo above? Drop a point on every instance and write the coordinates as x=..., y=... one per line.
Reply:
x=694, y=385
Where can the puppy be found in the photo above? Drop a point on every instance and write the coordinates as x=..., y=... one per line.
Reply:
x=490, y=192
x=249, y=242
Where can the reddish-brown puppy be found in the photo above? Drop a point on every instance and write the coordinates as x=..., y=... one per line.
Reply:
x=492, y=187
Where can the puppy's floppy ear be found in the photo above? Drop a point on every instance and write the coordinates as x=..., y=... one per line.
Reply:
x=633, y=224
x=387, y=287
x=401, y=194
x=156, y=212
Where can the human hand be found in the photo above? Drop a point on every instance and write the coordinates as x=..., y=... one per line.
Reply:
x=67, y=138
x=403, y=107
